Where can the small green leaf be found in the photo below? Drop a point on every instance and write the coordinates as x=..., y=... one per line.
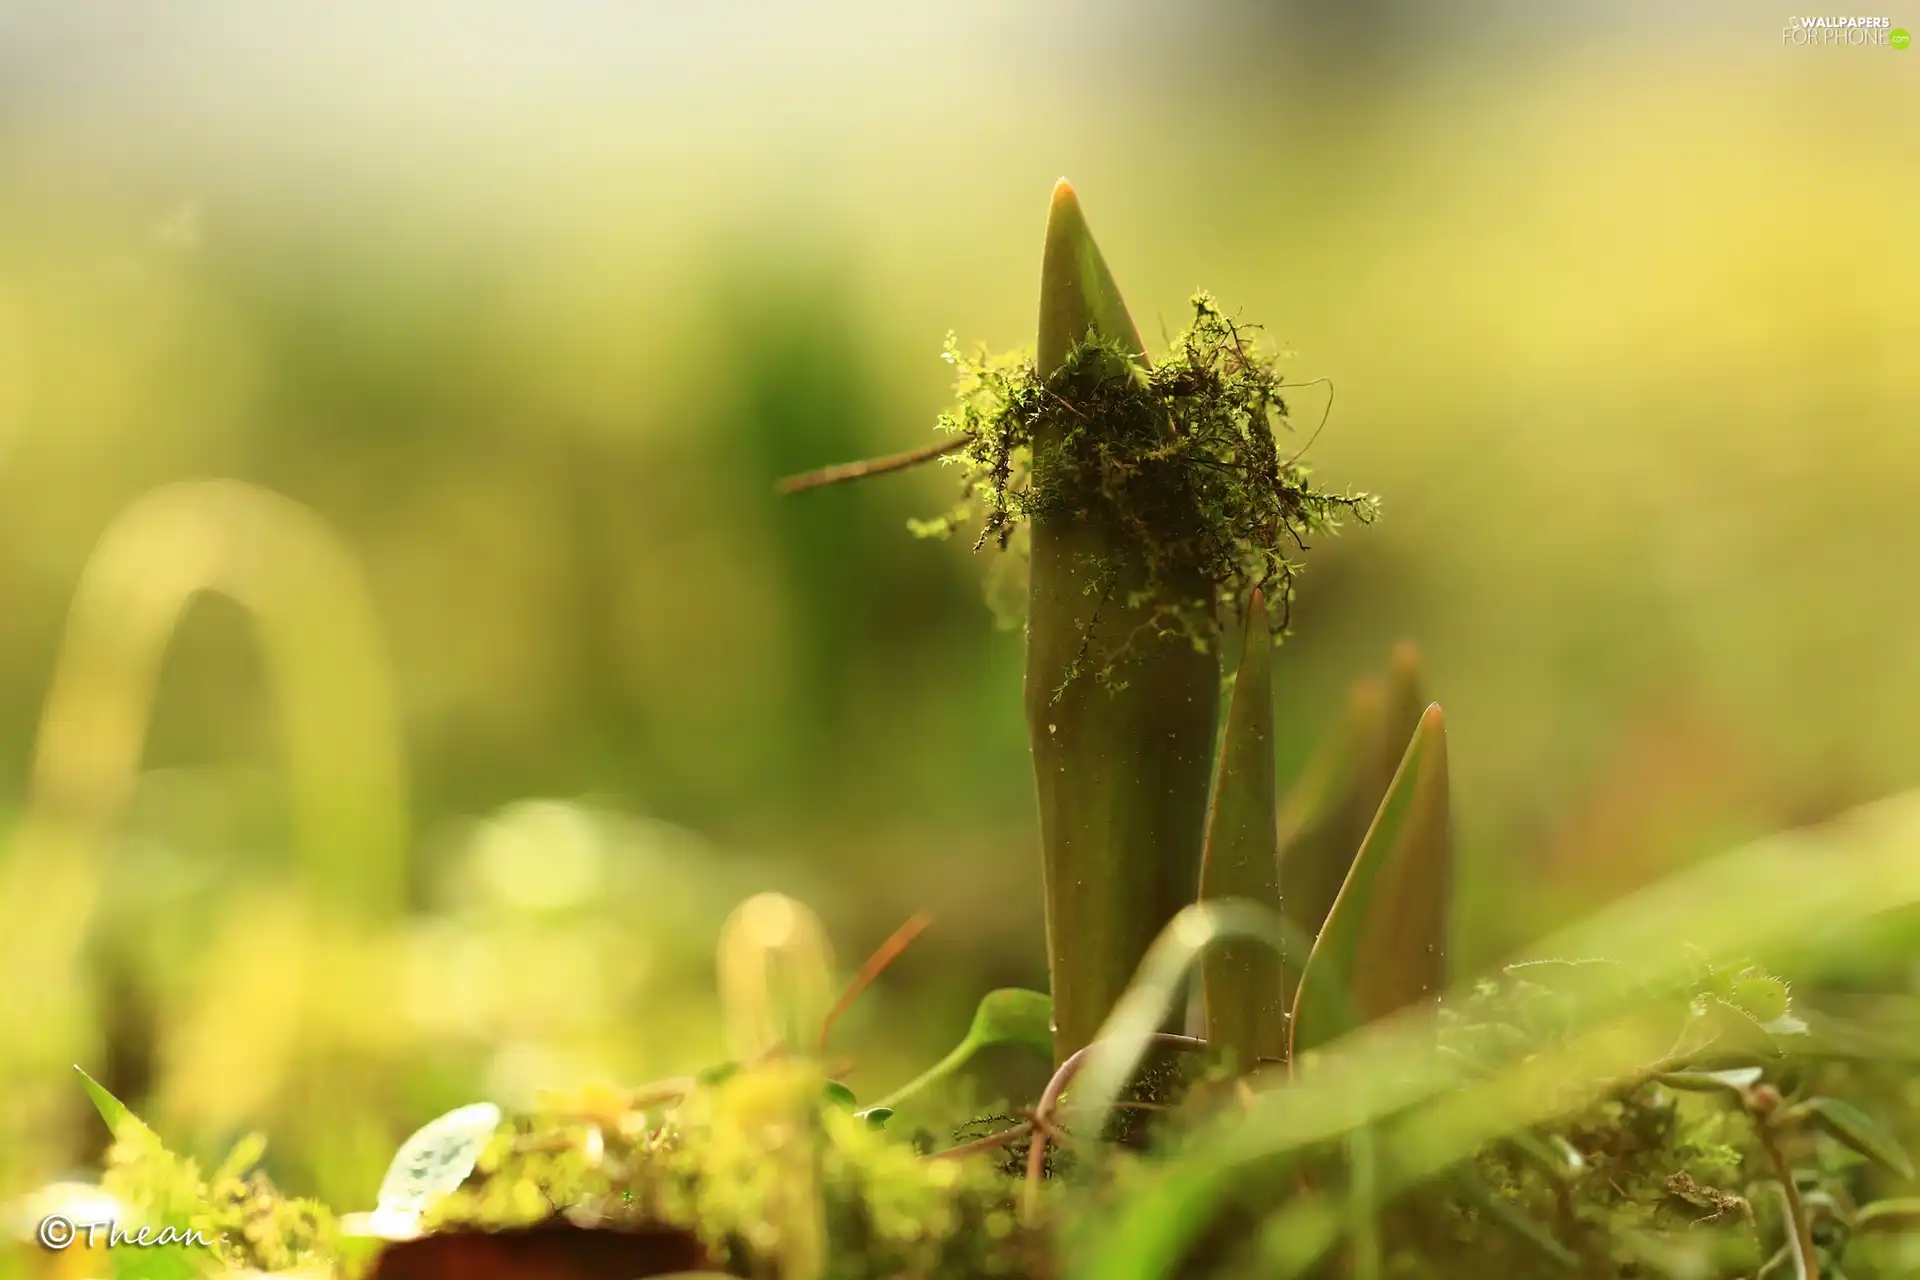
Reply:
x=121, y=1122
x=1764, y=997
x=876, y=1117
x=1855, y=1129
x=1383, y=947
x=1009, y=1015
x=431, y=1164
x=839, y=1095
x=1735, y=1081
x=717, y=1075
x=1013, y=1015
x=1246, y=1011
x=1889, y=1215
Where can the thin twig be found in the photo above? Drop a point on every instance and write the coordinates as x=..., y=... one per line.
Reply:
x=876, y=964
x=1324, y=415
x=845, y=471
x=778, y=1050
x=992, y=1142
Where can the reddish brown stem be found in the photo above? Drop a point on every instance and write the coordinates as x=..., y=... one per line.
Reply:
x=1050, y=1102
x=845, y=471
x=992, y=1142
x=876, y=964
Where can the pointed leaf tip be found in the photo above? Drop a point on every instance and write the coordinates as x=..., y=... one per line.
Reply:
x=1383, y=946
x=120, y=1120
x=1078, y=295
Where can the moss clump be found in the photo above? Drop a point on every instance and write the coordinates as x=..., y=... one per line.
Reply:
x=757, y=1166
x=1182, y=456
x=245, y=1222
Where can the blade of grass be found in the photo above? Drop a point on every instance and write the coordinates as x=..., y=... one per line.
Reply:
x=1325, y=815
x=1246, y=1016
x=1123, y=1041
x=1010, y=1015
x=1766, y=898
x=120, y=1121
x=1384, y=944
x=1315, y=818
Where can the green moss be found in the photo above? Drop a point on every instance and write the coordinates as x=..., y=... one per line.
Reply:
x=1185, y=461
x=762, y=1162
x=246, y=1222
x=752, y=1165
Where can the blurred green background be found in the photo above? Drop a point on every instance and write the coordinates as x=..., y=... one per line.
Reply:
x=530, y=305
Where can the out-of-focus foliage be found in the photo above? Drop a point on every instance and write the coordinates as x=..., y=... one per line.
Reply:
x=530, y=312
x=1573, y=1116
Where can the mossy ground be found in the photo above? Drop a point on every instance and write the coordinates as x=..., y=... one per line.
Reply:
x=767, y=1171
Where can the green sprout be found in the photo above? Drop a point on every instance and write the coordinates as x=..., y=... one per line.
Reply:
x=1154, y=495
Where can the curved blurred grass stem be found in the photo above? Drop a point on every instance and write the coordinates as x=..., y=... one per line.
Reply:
x=775, y=971
x=1123, y=1041
x=313, y=616
x=325, y=662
